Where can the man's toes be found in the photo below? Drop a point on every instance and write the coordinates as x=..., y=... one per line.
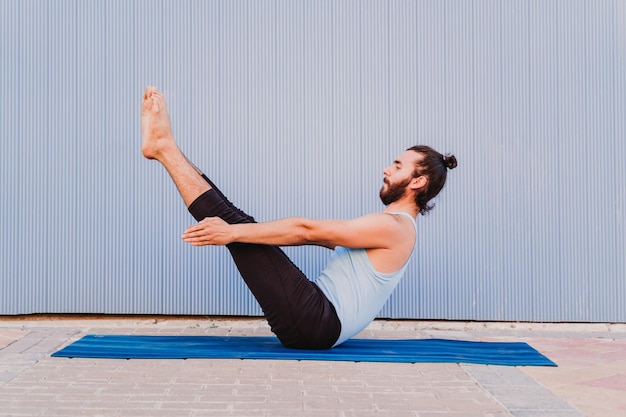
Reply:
x=155, y=106
x=159, y=101
x=149, y=91
x=147, y=105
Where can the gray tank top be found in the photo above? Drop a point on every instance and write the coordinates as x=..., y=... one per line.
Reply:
x=357, y=291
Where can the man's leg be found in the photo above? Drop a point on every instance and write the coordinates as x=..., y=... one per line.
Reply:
x=158, y=143
x=295, y=308
x=299, y=314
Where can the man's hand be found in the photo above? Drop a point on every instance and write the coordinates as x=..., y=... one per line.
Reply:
x=209, y=231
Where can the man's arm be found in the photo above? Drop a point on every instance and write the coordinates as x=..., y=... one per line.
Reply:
x=379, y=230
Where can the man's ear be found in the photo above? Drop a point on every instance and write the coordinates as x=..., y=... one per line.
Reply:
x=419, y=182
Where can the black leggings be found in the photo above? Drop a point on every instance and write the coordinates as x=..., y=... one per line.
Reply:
x=297, y=311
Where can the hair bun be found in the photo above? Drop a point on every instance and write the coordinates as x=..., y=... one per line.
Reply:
x=450, y=161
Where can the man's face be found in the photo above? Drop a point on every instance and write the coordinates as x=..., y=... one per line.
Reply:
x=398, y=176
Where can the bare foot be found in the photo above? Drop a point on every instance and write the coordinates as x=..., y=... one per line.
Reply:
x=156, y=127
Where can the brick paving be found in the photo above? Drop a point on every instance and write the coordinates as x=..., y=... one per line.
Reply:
x=590, y=379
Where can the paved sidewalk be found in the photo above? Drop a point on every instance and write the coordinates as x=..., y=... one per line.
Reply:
x=589, y=381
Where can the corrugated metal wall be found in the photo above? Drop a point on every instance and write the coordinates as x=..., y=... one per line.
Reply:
x=294, y=108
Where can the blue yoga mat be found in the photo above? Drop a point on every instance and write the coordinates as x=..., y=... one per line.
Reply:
x=268, y=347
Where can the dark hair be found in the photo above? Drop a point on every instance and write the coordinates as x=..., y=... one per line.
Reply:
x=434, y=166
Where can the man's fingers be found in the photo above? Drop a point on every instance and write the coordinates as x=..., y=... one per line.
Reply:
x=209, y=231
x=197, y=232
x=193, y=234
x=190, y=236
x=196, y=227
x=191, y=230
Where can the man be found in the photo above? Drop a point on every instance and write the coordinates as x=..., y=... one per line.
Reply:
x=370, y=252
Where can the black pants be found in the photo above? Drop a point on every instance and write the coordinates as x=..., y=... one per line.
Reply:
x=297, y=311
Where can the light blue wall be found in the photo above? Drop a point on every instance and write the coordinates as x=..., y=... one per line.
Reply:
x=294, y=108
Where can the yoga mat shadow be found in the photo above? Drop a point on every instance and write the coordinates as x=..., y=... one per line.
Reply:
x=268, y=347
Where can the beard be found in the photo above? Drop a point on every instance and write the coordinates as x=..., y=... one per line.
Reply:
x=393, y=192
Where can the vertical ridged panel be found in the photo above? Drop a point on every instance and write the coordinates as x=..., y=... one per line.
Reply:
x=618, y=28
x=294, y=108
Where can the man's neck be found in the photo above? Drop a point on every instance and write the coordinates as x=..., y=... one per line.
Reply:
x=404, y=206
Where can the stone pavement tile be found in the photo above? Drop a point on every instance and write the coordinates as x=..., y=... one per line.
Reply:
x=379, y=413
x=518, y=393
x=595, y=402
x=617, y=328
x=26, y=351
x=104, y=412
x=9, y=336
x=457, y=414
x=614, y=382
x=588, y=373
x=10, y=411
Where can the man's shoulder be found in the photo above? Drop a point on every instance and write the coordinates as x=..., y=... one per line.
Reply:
x=389, y=217
x=384, y=222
